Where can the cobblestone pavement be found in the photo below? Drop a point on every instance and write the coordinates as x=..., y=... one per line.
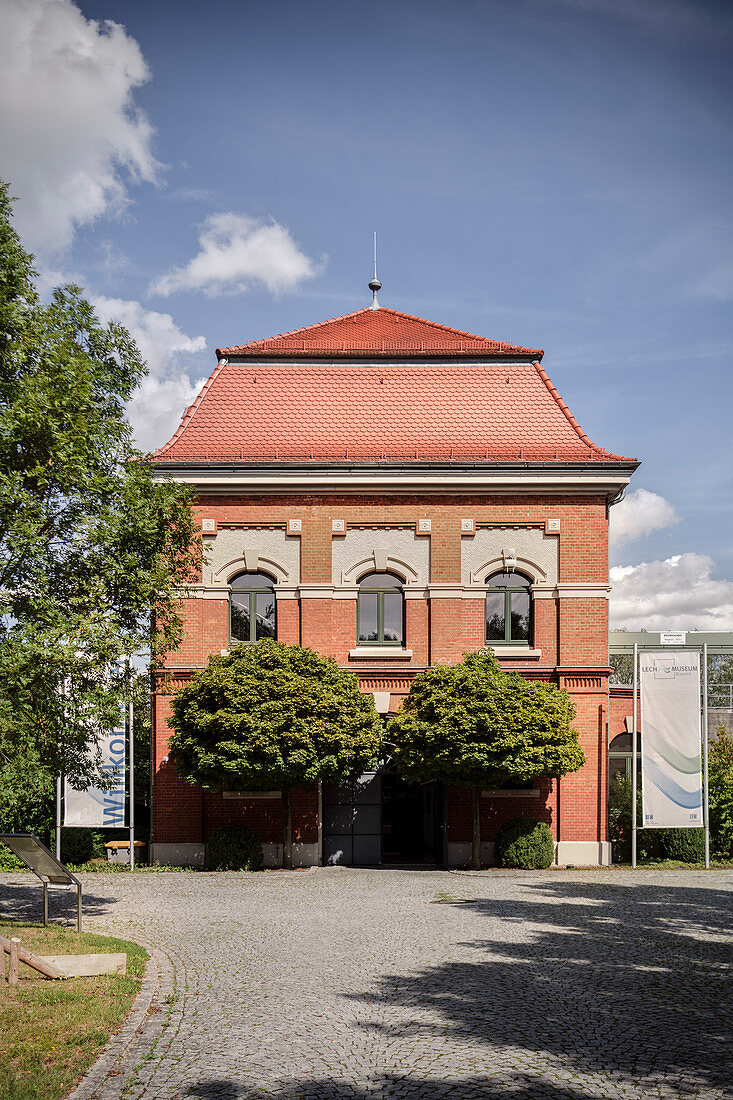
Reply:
x=425, y=984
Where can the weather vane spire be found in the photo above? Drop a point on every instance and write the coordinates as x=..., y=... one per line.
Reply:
x=375, y=284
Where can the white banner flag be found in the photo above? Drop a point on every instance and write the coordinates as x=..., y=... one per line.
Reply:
x=93, y=806
x=671, y=767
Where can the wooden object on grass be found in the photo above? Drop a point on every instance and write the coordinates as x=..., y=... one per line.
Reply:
x=14, y=956
x=17, y=953
x=84, y=966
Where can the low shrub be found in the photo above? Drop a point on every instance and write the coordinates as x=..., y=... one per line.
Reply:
x=648, y=841
x=685, y=845
x=525, y=843
x=10, y=862
x=234, y=848
x=77, y=845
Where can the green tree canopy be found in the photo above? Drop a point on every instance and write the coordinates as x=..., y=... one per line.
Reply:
x=478, y=726
x=272, y=716
x=90, y=544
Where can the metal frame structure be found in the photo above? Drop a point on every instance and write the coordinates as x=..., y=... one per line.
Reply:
x=64, y=876
x=702, y=642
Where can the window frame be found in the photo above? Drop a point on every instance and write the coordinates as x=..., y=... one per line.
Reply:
x=507, y=590
x=381, y=591
x=253, y=593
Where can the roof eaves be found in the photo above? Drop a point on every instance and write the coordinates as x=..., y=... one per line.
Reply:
x=191, y=411
x=576, y=426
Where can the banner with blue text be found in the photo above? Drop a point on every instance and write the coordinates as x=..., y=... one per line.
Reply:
x=671, y=764
x=93, y=805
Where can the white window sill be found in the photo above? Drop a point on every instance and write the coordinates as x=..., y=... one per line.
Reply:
x=515, y=651
x=380, y=651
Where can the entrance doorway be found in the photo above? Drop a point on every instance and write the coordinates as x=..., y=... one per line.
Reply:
x=378, y=818
x=411, y=821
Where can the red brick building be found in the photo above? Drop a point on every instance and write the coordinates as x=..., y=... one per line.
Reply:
x=394, y=493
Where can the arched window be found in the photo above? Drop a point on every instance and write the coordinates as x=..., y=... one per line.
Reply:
x=252, y=607
x=381, y=610
x=508, y=609
x=620, y=756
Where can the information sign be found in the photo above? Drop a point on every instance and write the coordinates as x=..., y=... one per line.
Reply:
x=94, y=805
x=671, y=773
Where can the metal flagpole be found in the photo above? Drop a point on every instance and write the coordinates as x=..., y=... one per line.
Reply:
x=58, y=816
x=706, y=803
x=634, y=761
x=131, y=724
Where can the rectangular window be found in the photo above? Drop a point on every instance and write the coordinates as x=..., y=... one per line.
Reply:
x=240, y=617
x=265, y=615
x=368, y=617
x=495, y=617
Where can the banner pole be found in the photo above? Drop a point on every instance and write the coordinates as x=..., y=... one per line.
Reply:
x=131, y=724
x=706, y=796
x=58, y=816
x=634, y=760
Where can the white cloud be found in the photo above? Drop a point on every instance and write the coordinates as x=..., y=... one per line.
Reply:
x=156, y=406
x=678, y=593
x=638, y=514
x=68, y=126
x=237, y=251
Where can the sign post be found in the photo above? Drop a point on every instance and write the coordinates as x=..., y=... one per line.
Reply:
x=671, y=773
x=634, y=758
x=131, y=763
x=706, y=804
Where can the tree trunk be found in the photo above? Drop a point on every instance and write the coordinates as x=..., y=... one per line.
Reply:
x=287, y=831
x=476, y=838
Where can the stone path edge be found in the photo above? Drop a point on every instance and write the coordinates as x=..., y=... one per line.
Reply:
x=115, y=1055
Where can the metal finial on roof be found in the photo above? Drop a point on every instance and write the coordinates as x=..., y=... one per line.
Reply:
x=375, y=284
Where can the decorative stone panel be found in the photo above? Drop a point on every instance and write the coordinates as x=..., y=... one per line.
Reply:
x=536, y=554
x=364, y=549
x=235, y=550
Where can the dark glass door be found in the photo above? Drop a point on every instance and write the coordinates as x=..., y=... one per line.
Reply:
x=411, y=821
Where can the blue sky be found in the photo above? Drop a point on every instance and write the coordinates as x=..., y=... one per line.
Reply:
x=554, y=173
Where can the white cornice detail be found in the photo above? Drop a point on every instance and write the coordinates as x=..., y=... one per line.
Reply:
x=399, y=481
x=419, y=592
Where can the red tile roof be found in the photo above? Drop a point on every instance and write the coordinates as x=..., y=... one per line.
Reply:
x=451, y=410
x=377, y=332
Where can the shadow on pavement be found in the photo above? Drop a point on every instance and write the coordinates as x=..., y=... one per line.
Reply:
x=23, y=902
x=616, y=982
x=474, y=1088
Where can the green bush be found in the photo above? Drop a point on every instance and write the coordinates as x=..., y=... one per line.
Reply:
x=234, y=848
x=526, y=843
x=721, y=793
x=77, y=845
x=648, y=841
x=685, y=845
x=10, y=862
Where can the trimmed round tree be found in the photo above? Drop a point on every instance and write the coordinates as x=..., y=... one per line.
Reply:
x=272, y=716
x=475, y=725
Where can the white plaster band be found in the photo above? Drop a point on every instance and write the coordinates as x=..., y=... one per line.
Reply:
x=399, y=481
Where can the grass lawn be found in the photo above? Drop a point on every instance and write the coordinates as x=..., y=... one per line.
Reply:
x=52, y=1031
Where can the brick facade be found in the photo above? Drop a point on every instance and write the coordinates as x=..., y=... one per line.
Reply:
x=438, y=540
x=570, y=636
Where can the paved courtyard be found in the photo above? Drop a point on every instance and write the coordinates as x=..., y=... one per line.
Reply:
x=395, y=983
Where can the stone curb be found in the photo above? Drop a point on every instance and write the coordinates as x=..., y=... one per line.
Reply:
x=114, y=1055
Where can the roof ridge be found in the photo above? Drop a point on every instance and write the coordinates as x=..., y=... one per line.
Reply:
x=295, y=331
x=579, y=431
x=251, y=345
x=456, y=331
